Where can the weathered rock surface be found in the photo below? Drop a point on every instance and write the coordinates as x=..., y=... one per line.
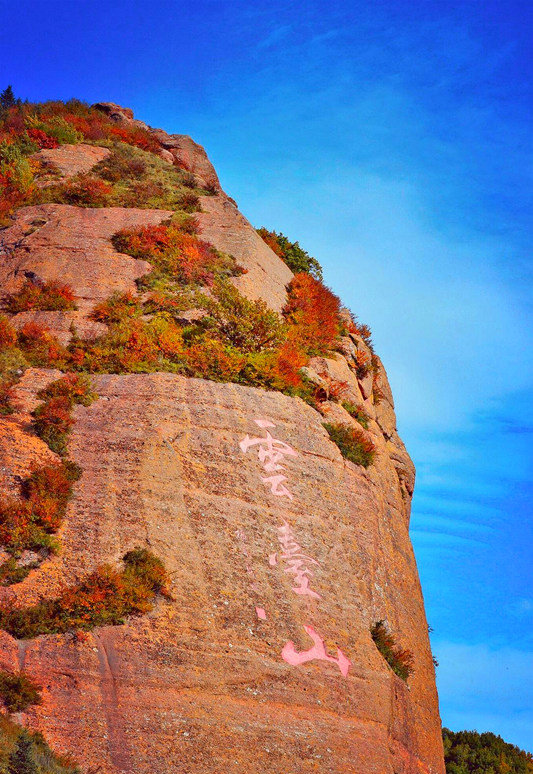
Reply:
x=72, y=245
x=73, y=159
x=200, y=684
x=266, y=276
x=224, y=677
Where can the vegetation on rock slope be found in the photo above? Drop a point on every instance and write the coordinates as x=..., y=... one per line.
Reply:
x=399, y=659
x=24, y=752
x=296, y=258
x=186, y=318
x=468, y=752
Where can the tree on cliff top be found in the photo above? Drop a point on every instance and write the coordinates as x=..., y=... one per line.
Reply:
x=8, y=99
x=468, y=752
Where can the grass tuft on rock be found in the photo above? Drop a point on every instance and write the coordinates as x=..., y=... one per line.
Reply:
x=354, y=444
x=399, y=659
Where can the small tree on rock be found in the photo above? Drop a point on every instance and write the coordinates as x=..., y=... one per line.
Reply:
x=21, y=760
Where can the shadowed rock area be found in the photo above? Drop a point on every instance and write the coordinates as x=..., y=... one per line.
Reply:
x=263, y=658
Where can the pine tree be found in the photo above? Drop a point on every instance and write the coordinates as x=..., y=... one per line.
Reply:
x=7, y=99
x=21, y=760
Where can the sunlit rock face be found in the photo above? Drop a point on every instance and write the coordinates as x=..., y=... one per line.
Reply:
x=281, y=553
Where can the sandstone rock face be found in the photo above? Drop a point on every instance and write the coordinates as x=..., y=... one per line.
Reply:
x=266, y=276
x=72, y=159
x=263, y=659
x=72, y=245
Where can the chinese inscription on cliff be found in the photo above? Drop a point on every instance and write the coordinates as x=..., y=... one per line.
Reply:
x=271, y=452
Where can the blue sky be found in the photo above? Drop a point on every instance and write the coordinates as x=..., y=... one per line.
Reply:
x=393, y=140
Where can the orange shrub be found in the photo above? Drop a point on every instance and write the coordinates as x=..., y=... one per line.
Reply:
x=362, y=364
x=313, y=312
x=176, y=252
x=212, y=359
x=41, y=347
x=48, y=296
x=8, y=335
x=106, y=597
x=84, y=190
x=26, y=522
x=289, y=359
x=117, y=307
x=76, y=388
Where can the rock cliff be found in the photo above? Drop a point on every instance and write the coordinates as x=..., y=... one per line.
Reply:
x=281, y=553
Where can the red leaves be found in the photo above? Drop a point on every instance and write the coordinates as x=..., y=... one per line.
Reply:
x=172, y=250
x=48, y=296
x=25, y=523
x=313, y=312
x=8, y=335
x=42, y=139
x=86, y=191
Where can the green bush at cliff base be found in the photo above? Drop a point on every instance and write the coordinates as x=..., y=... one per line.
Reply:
x=468, y=752
x=18, y=691
x=353, y=444
x=26, y=752
x=105, y=598
x=399, y=659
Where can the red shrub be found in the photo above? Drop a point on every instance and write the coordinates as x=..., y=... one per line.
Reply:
x=49, y=296
x=41, y=347
x=8, y=335
x=26, y=522
x=313, y=312
x=42, y=139
x=53, y=422
x=172, y=250
x=85, y=190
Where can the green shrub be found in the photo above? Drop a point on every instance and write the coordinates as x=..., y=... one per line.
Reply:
x=249, y=326
x=357, y=412
x=26, y=752
x=354, y=445
x=56, y=127
x=469, y=752
x=291, y=253
x=399, y=660
x=11, y=572
x=18, y=692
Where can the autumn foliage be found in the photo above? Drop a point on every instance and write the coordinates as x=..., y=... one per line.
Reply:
x=399, y=659
x=27, y=522
x=106, y=597
x=177, y=253
x=312, y=310
x=46, y=296
x=53, y=417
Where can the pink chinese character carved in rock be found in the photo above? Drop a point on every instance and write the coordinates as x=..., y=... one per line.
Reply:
x=296, y=561
x=317, y=652
x=270, y=452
